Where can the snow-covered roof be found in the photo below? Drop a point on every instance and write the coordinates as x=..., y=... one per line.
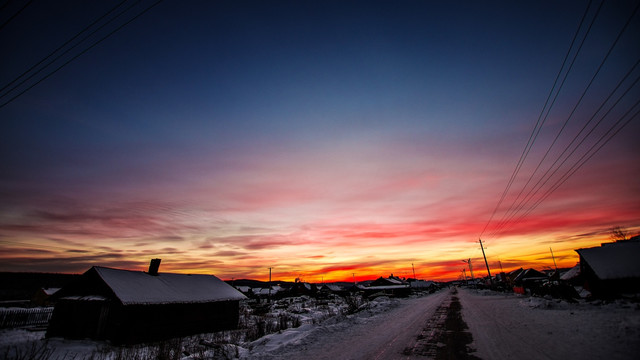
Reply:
x=421, y=284
x=387, y=287
x=333, y=287
x=571, y=273
x=50, y=291
x=243, y=288
x=137, y=287
x=613, y=261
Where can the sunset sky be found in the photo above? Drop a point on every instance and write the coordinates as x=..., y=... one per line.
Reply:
x=322, y=139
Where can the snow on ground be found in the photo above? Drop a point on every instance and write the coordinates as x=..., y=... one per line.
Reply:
x=382, y=332
x=503, y=326
x=509, y=326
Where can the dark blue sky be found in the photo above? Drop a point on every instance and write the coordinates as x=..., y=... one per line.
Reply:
x=283, y=115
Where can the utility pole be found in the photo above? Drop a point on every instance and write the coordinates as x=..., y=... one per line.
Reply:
x=554, y=260
x=269, y=284
x=470, y=266
x=485, y=262
x=556, y=275
x=414, y=272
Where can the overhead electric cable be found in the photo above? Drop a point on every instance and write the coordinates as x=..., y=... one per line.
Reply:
x=538, y=125
x=548, y=110
x=16, y=14
x=586, y=157
x=60, y=47
x=81, y=53
x=547, y=177
x=604, y=60
x=510, y=213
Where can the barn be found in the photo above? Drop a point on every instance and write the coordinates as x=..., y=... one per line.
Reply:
x=128, y=307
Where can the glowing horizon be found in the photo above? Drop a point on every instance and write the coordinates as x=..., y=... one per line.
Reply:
x=322, y=139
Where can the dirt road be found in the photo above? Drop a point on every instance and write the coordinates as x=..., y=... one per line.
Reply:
x=401, y=333
x=472, y=324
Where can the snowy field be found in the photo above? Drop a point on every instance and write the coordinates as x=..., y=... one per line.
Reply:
x=502, y=326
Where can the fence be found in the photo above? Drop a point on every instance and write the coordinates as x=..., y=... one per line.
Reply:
x=11, y=318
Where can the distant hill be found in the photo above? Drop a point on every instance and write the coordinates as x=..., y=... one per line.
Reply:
x=22, y=286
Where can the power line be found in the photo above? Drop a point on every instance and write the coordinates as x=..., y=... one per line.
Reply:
x=510, y=213
x=14, y=15
x=81, y=53
x=59, y=48
x=539, y=124
x=586, y=157
x=546, y=177
x=548, y=109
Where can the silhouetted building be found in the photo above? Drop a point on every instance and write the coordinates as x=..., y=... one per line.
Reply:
x=611, y=269
x=43, y=296
x=133, y=306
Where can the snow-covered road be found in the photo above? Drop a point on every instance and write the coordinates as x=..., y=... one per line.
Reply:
x=503, y=326
x=452, y=323
x=382, y=336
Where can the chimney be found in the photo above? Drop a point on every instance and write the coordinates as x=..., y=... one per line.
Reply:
x=154, y=266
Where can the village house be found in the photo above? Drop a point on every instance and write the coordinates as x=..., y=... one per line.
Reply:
x=133, y=306
x=327, y=289
x=43, y=297
x=529, y=280
x=391, y=286
x=611, y=269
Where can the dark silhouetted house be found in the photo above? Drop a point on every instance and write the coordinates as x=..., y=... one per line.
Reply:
x=611, y=269
x=572, y=276
x=133, y=306
x=391, y=286
x=391, y=280
x=333, y=289
x=422, y=285
x=530, y=279
x=300, y=288
x=42, y=297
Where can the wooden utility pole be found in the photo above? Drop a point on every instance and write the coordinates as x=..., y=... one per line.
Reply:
x=414, y=272
x=485, y=262
x=470, y=266
x=269, y=284
x=554, y=260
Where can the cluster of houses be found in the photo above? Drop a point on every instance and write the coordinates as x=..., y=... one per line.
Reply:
x=606, y=271
x=390, y=286
x=128, y=307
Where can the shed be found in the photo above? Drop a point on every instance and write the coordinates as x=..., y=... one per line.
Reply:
x=612, y=268
x=133, y=306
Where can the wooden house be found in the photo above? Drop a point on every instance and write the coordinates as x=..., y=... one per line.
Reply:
x=611, y=269
x=134, y=306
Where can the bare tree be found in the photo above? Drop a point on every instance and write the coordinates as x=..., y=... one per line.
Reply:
x=619, y=233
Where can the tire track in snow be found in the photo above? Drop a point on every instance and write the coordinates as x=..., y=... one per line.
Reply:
x=445, y=335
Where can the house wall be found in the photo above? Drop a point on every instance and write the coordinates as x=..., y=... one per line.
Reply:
x=606, y=288
x=79, y=319
x=142, y=323
x=104, y=320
